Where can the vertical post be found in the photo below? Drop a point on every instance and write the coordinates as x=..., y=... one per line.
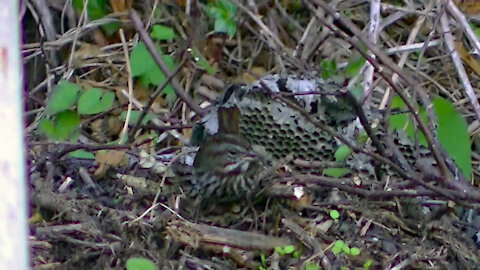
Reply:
x=13, y=222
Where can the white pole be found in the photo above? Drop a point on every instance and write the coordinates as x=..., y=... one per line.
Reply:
x=13, y=223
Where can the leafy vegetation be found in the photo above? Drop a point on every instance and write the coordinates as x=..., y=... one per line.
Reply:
x=140, y=264
x=223, y=12
x=60, y=121
x=97, y=9
x=451, y=130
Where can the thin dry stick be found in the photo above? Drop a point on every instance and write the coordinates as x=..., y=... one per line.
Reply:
x=151, y=48
x=373, y=36
x=124, y=133
x=457, y=63
x=460, y=18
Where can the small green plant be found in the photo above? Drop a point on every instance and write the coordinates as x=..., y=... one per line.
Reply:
x=328, y=68
x=61, y=120
x=140, y=264
x=342, y=153
x=354, y=251
x=341, y=247
x=337, y=247
x=336, y=172
x=162, y=32
x=451, y=130
x=95, y=100
x=311, y=266
x=263, y=263
x=334, y=215
x=288, y=249
x=146, y=70
x=202, y=62
x=97, y=9
x=223, y=12
x=355, y=63
x=367, y=264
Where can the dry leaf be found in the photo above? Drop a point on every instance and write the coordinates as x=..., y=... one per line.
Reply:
x=468, y=6
x=115, y=158
x=253, y=75
x=467, y=58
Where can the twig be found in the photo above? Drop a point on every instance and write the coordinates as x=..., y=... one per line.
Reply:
x=457, y=63
x=124, y=132
x=460, y=18
x=373, y=36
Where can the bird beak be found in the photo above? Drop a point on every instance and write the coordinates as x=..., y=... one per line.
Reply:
x=250, y=156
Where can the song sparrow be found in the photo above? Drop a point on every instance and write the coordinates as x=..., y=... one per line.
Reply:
x=225, y=168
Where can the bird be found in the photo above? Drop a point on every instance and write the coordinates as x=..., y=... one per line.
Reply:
x=225, y=167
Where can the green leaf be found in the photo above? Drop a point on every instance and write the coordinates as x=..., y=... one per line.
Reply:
x=354, y=65
x=288, y=249
x=346, y=250
x=328, y=68
x=228, y=6
x=342, y=153
x=279, y=250
x=141, y=61
x=134, y=115
x=221, y=9
x=63, y=96
x=140, y=264
x=225, y=26
x=203, y=63
x=311, y=266
x=337, y=247
x=64, y=126
x=67, y=122
x=354, y=251
x=110, y=28
x=231, y=27
x=143, y=66
x=94, y=101
x=336, y=172
x=47, y=127
x=367, y=264
x=398, y=121
x=161, y=32
x=452, y=133
x=404, y=122
x=334, y=214
x=96, y=9
x=81, y=154
x=223, y=12
x=156, y=77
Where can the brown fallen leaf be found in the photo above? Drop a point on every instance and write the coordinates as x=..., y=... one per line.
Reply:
x=467, y=58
